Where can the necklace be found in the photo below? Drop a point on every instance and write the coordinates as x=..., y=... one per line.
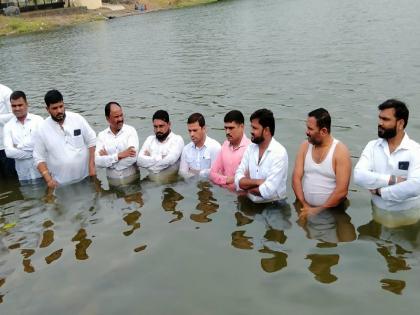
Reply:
x=324, y=152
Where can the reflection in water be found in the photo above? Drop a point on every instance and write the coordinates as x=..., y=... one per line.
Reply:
x=400, y=248
x=170, y=201
x=331, y=226
x=82, y=246
x=394, y=286
x=321, y=266
x=53, y=256
x=206, y=205
x=275, y=217
x=131, y=220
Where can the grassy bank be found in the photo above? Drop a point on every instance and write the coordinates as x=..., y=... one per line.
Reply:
x=39, y=21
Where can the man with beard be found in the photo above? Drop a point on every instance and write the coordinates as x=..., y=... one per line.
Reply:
x=263, y=169
x=162, y=150
x=198, y=155
x=390, y=166
x=117, y=147
x=323, y=167
x=64, y=144
x=224, y=167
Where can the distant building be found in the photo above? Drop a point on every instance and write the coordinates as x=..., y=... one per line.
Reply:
x=90, y=4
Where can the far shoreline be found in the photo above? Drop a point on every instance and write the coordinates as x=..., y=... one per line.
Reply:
x=46, y=20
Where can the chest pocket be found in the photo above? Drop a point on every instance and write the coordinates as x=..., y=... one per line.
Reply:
x=77, y=141
x=205, y=161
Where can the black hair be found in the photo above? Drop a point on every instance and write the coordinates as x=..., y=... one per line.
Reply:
x=53, y=97
x=234, y=116
x=265, y=118
x=108, y=107
x=322, y=117
x=197, y=117
x=401, y=110
x=161, y=115
x=17, y=95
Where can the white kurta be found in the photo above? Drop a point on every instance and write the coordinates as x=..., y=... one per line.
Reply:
x=161, y=154
x=5, y=110
x=114, y=144
x=65, y=148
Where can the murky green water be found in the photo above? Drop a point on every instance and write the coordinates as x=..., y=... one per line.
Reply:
x=194, y=248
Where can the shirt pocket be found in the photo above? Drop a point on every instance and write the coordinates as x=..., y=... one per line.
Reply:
x=77, y=141
x=205, y=162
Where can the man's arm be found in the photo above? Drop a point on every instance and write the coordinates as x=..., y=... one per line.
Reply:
x=277, y=177
x=92, y=169
x=144, y=159
x=174, y=154
x=408, y=188
x=364, y=175
x=298, y=174
x=43, y=169
x=11, y=151
x=183, y=166
x=216, y=171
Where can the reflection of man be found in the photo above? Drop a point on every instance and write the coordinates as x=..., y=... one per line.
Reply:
x=224, y=167
x=18, y=133
x=117, y=146
x=390, y=166
x=323, y=167
x=198, y=155
x=7, y=165
x=64, y=144
x=263, y=169
x=163, y=149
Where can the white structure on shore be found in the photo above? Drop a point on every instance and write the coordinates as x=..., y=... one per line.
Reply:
x=90, y=4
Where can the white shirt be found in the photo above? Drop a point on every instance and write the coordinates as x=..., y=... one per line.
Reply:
x=376, y=165
x=5, y=110
x=199, y=158
x=114, y=144
x=65, y=148
x=18, y=144
x=272, y=168
x=162, y=154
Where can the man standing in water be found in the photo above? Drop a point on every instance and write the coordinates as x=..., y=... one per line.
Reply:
x=263, y=169
x=163, y=149
x=64, y=150
x=117, y=147
x=322, y=170
x=18, y=133
x=7, y=165
x=198, y=155
x=390, y=166
x=223, y=169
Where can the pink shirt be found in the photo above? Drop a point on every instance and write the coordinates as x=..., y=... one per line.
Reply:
x=227, y=162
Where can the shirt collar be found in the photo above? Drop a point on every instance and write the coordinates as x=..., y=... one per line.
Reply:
x=404, y=145
x=206, y=143
x=109, y=131
x=28, y=118
x=244, y=142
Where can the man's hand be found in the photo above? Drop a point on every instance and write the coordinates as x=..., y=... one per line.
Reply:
x=130, y=152
x=52, y=183
x=254, y=191
x=146, y=153
x=194, y=171
x=307, y=211
x=230, y=180
x=103, y=152
x=92, y=169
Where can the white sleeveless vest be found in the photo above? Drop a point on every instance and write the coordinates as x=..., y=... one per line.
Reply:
x=318, y=179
